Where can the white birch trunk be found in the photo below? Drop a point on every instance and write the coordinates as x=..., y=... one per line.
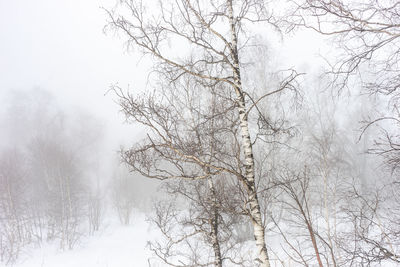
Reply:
x=214, y=220
x=249, y=179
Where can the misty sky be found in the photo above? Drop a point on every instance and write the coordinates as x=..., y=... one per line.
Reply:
x=60, y=46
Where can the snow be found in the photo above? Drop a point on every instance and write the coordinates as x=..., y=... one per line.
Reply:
x=115, y=245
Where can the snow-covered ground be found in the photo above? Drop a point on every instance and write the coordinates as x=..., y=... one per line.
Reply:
x=114, y=245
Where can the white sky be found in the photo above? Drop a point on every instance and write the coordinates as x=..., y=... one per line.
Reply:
x=59, y=46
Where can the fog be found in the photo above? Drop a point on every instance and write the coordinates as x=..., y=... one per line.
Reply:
x=130, y=130
x=57, y=65
x=60, y=50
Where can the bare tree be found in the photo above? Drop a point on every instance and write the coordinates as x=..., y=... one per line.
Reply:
x=198, y=225
x=366, y=34
x=95, y=207
x=371, y=237
x=215, y=34
x=14, y=233
x=311, y=189
x=123, y=194
x=45, y=175
x=65, y=190
x=296, y=200
x=205, y=211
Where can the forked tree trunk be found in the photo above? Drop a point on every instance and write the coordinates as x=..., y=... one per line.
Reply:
x=249, y=179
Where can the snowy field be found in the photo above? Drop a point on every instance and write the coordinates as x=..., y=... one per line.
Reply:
x=113, y=246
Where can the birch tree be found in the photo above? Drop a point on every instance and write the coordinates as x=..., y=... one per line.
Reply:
x=197, y=223
x=202, y=213
x=214, y=34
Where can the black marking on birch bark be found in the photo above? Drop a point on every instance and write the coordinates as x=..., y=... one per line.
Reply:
x=248, y=180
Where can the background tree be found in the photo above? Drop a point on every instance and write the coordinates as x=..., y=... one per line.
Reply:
x=46, y=173
x=15, y=231
x=123, y=194
x=366, y=34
